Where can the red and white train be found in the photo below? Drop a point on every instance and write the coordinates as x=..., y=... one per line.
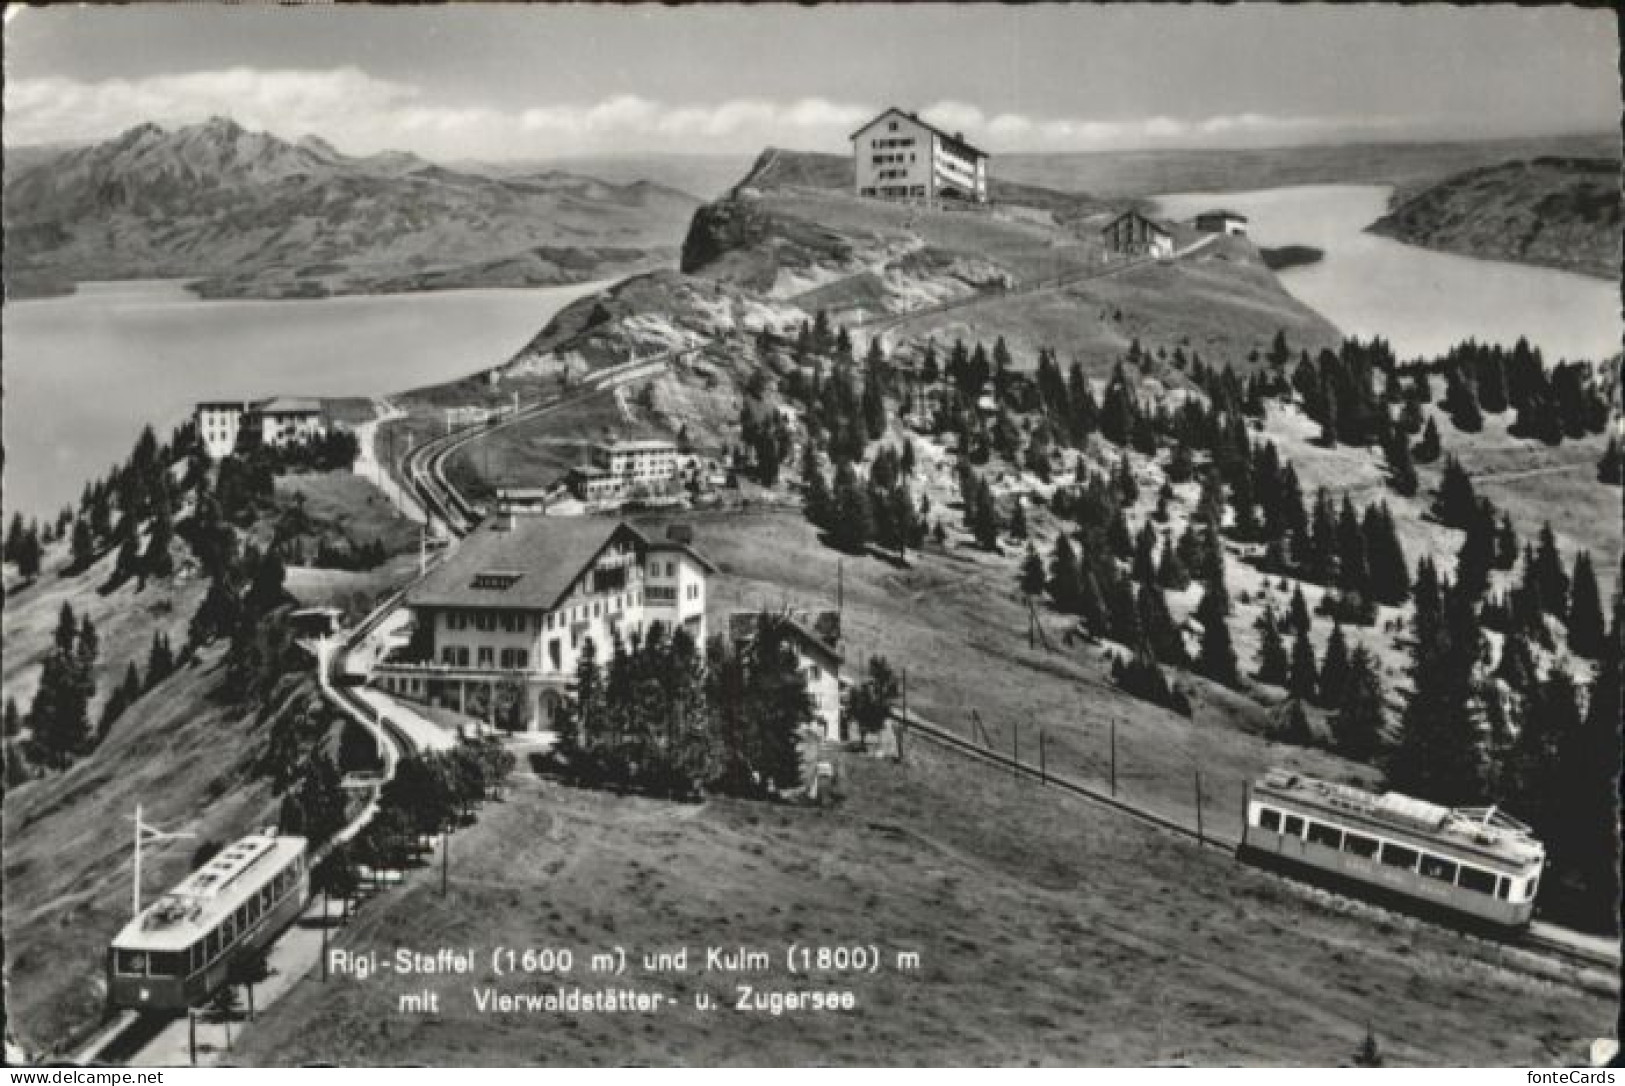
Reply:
x=1477, y=864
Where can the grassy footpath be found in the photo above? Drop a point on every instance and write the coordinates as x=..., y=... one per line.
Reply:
x=1048, y=933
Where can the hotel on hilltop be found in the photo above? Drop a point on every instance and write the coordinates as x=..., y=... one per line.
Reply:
x=899, y=156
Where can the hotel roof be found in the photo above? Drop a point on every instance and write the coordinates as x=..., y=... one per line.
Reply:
x=950, y=137
x=536, y=560
x=288, y=405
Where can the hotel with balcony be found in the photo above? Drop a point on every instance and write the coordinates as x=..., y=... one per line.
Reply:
x=899, y=156
x=519, y=601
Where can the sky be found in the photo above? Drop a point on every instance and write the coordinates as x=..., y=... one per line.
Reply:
x=521, y=82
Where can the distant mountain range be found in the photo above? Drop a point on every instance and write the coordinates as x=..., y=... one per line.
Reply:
x=248, y=214
x=1552, y=211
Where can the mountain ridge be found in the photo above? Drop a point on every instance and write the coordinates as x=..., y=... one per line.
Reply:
x=249, y=214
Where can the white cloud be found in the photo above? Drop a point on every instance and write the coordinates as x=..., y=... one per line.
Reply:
x=361, y=113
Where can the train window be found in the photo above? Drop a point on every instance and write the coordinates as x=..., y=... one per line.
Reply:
x=1294, y=826
x=1476, y=880
x=1269, y=820
x=1399, y=856
x=265, y=897
x=130, y=963
x=1358, y=844
x=1322, y=834
x=1501, y=885
x=194, y=958
x=1437, y=867
x=211, y=946
x=166, y=965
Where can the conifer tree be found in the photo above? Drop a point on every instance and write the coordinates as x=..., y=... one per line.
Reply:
x=1161, y=633
x=1217, y=656
x=1272, y=659
x=1361, y=718
x=1032, y=572
x=1548, y=572
x=1334, y=668
x=1587, y=636
x=1303, y=679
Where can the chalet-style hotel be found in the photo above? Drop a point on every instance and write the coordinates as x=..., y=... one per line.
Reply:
x=522, y=596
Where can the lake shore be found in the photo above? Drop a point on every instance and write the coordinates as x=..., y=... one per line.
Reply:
x=1421, y=301
x=86, y=371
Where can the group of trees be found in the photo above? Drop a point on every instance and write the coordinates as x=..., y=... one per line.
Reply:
x=661, y=718
x=1513, y=736
x=59, y=723
x=1347, y=683
x=879, y=511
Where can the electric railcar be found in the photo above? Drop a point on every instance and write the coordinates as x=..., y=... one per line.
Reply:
x=180, y=950
x=1476, y=865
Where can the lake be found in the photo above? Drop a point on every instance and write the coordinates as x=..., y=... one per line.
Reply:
x=84, y=373
x=1422, y=301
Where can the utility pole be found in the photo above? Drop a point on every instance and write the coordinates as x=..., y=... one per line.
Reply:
x=1114, y=758
x=1199, y=839
x=325, y=910
x=840, y=590
x=144, y=832
x=445, y=858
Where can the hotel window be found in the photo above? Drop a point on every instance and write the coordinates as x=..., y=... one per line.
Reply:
x=485, y=656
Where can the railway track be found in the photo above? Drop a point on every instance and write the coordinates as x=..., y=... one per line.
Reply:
x=1570, y=948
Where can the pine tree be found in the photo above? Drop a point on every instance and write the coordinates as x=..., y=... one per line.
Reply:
x=1032, y=572
x=1548, y=572
x=1440, y=753
x=1334, y=668
x=1272, y=658
x=30, y=553
x=1361, y=718
x=1294, y=727
x=1401, y=467
x=1587, y=637
x=1065, y=577
x=1456, y=503
x=1609, y=466
x=1303, y=679
x=1167, y=644
x=816, y=501
x=1217, y=656
x=1298, y=612
x=83, y=545
x=160, y=659
x=59, y=716
x=1427, y=450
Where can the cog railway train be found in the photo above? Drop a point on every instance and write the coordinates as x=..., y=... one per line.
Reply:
x=1476, y=866
x=180, y=950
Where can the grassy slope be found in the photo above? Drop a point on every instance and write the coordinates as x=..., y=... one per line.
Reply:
x=125, y=620
x=181, y=755
x=1223, y=303
x=177, y=751
x=1050, y=932
x=1558, y=212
